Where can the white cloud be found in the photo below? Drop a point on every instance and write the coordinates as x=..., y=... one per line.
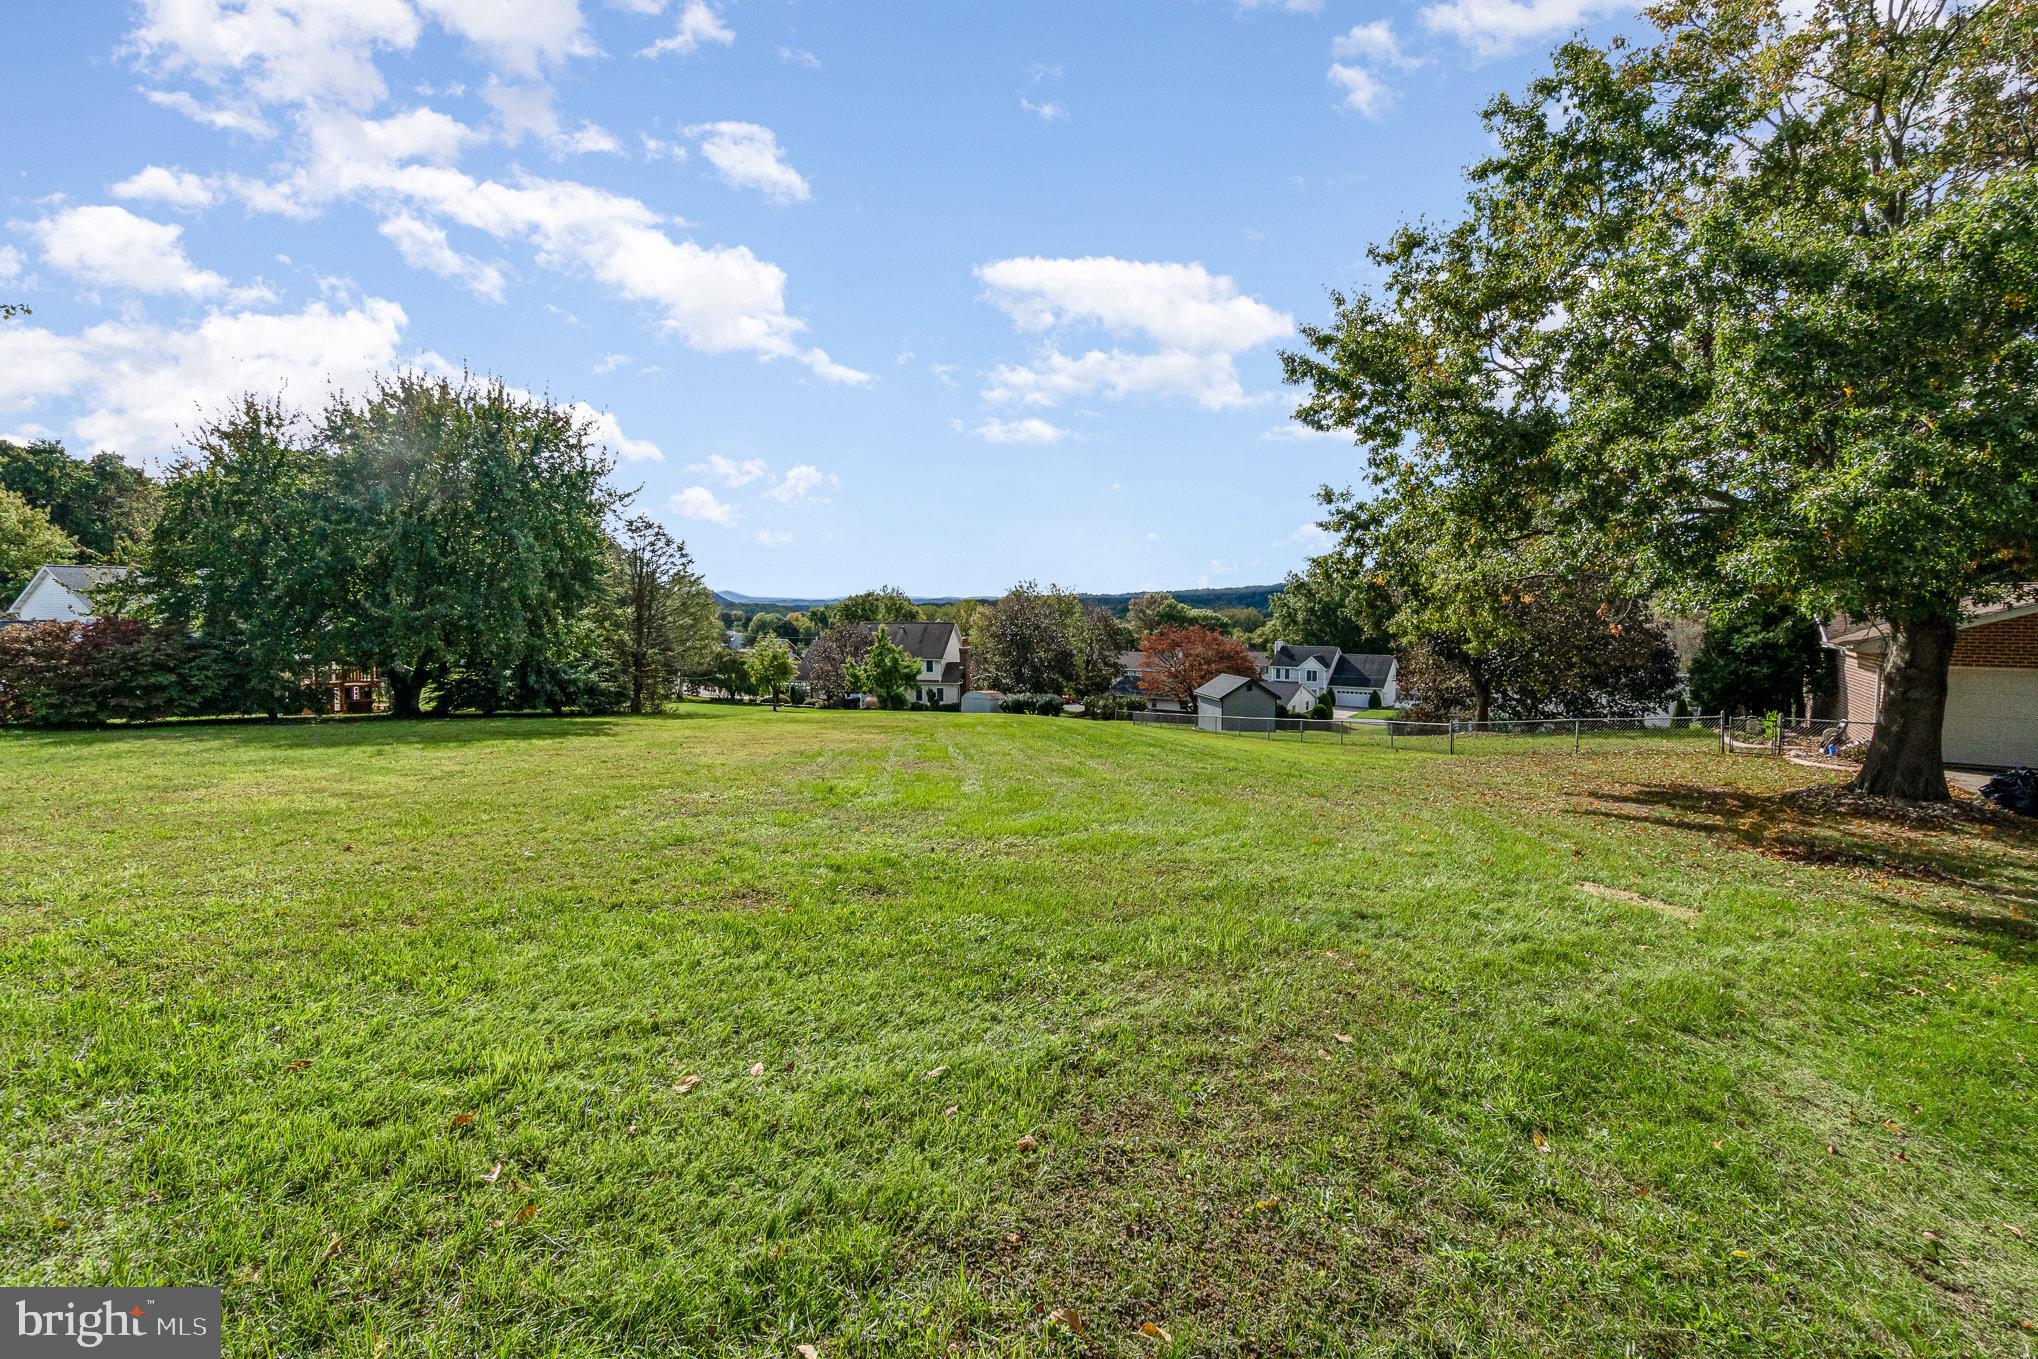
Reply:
x=531, y=110
x=1493, y=28
x=717, y=299
x=520, y=37
x=1047, y=111
x=138, y=384
x=1313, y=536
x=698, y=502
x=730, y=472
x=286, y=51
x=1032, y=430
x=774, y=537
x=111, y=246
x=611, y=433
x=1373, y=42
x=10, y=262
x=1198, y=321
x=800, y=482
x=1360, y=90
x=154, y=183
x=609, y=363
x=424, y=246
x=799, y=56
x=1358, y=55
x=698, y=24
x=224, y=117
x=747, y=156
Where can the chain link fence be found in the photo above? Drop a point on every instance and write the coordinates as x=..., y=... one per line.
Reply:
x=1834, y=740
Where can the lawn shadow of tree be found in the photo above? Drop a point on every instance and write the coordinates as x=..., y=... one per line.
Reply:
x=1997, y=859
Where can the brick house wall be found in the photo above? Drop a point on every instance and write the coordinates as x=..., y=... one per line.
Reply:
x=2010, y=644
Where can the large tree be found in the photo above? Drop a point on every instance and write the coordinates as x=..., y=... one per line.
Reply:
x=661, y=617
x=28, y=539
x=886, y=604
x=1181, y=660
x=885, y=670
x=1756, y=303
x=828, y=658
x=1044, y=641
x=1758, y=659
x=471, y=526
x=106, y=505
x=248, y=555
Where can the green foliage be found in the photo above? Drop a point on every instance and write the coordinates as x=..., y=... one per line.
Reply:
x=1035, y=641
x=112, y=670
x=659, y=616
x=828, y=658
x=104, y=504
x=1756, y=659
x=1755, y=306
x=887, y=604
x=885, y=670
x=28, y=539
x=447, y=533
x=771, y=667
x=1324, y=709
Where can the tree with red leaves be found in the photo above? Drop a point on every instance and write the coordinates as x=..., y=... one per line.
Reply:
x=1179, y=661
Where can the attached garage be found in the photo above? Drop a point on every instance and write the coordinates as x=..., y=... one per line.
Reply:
x=1991, y=688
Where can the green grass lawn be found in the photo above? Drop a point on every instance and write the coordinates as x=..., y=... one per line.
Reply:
x=393, y=1030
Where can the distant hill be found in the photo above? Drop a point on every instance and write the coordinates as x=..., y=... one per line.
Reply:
x=1241, y=597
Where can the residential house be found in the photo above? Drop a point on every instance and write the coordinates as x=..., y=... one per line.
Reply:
x=1231, y=699
x=63, y=594
x=1991, y=689
x=938, y=647
x=1351, y=678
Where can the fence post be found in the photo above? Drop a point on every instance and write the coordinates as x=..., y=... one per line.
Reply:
x=1574, y=736
x=1722, y=719
x=1453, y=737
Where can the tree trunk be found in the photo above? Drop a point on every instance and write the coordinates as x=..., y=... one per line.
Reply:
x=405, y=689
x=1904, y=759
x=1482, y=692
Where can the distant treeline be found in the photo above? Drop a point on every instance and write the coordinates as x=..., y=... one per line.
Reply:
x=1245, y=597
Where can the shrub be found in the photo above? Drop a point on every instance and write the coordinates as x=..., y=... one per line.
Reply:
x=1048, y=705
x=113, y=670
x=1324, y=709
x=1373, y=700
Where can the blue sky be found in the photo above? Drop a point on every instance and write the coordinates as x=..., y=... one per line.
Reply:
x=937, y=295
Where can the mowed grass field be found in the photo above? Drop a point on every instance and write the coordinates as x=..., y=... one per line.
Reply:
x=727, y=1032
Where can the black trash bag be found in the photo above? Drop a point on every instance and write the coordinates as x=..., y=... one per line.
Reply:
x=2014, y=790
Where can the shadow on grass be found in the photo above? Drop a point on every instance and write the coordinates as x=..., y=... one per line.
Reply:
x=1998, y=860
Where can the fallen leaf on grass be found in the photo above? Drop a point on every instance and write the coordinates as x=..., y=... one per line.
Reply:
x=806, y=1352
x=492, y=1176
x=1892, y=1125
x=1929, y=1236
x=937, y=1073
x=1153, y=1332
x=630, y=1131
x=332, y=1247
x=1543, y=1143
x=1342, y=1037
x=2014, y=1230
x=299, y=1065
x=527, y=1212
x=1027, y=1143
x=1265, y=1204
x=686, y=1084
x=1739, y=1254
x=459, y=1121
x=756, y=1068
x=951, y=1111
x=1066, y=1316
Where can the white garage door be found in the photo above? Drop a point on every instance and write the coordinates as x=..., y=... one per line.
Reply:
x=1991, y=716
